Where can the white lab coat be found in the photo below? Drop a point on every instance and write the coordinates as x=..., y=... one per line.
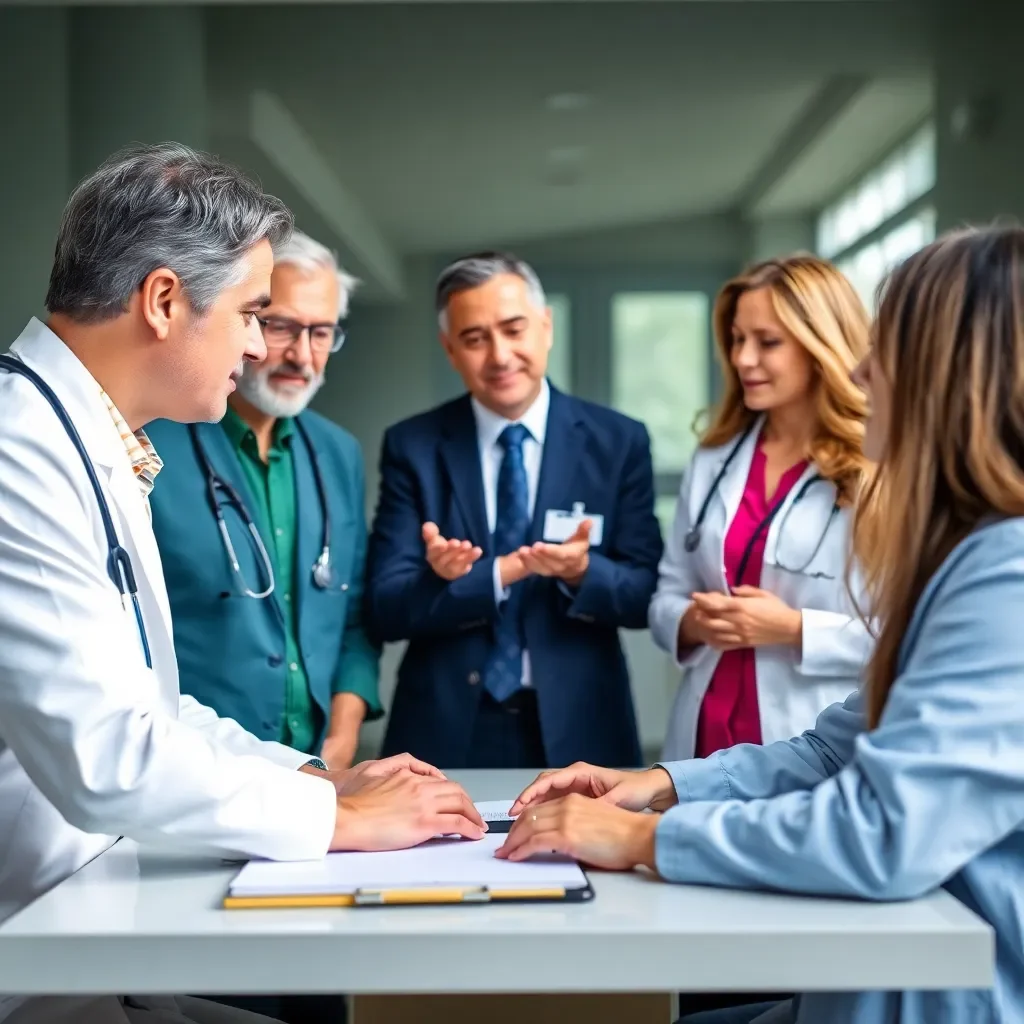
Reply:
x=94, y=745
x=793, y=687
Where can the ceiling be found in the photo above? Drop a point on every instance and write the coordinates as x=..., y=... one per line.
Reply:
x=435, y=120
x=883, y=114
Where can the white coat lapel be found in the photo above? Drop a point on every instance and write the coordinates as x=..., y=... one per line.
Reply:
x=735, y=480
x=140, y=542
x=801, y=522
x=82, y=398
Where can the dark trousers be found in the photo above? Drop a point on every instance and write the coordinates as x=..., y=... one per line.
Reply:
x=507, y=735
x=313, y=1009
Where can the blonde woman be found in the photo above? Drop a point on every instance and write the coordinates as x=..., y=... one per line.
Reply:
x=917, y=781
x=751, y=598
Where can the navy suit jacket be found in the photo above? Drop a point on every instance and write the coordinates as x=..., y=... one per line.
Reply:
x=430, y=471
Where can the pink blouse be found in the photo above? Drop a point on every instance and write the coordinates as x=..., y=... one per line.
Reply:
x=729, y=713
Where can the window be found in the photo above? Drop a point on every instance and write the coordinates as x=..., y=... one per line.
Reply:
x=560, y=357
x=906, y=176
x=867, y=266
x=882, y=220
x=660, y=368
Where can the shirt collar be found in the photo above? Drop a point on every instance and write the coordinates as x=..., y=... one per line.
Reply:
x=141, y=454
x=239, y=432
x=489, y=425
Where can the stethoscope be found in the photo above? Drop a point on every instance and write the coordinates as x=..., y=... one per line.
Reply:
x=693, y=536
x=119, y=564
x=323, y=571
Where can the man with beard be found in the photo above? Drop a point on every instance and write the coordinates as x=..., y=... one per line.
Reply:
x=265, y=588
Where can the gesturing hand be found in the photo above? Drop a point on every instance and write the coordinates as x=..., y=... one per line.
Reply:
x=748, y=617
x=450, y=559
x=403, y=810
x=567, y=561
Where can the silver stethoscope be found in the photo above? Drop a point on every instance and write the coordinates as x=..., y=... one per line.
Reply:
x=322, y=571
x=693, y=536
x=119, y=564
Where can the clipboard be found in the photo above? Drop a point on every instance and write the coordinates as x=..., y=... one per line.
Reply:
x=442, y=871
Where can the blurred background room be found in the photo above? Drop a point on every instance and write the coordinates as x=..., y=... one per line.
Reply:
x=636, y=153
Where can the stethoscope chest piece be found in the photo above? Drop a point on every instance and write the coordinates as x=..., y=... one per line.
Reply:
x=323, y=574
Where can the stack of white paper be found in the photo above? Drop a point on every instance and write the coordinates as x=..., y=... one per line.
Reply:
x=438, y=863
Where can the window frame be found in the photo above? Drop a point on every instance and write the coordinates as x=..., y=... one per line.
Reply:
x=591, y=293
x=848, y=194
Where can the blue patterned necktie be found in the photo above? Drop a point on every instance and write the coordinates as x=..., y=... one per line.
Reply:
x=503, y=674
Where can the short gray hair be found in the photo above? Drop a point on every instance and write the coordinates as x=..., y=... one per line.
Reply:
x=309, y=255
x=158, y=206
x=473, y=271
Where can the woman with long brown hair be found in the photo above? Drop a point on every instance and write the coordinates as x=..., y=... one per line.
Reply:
x=751, y=600
x=917, y=781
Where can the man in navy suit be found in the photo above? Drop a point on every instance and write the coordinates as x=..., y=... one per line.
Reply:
x=514, y=535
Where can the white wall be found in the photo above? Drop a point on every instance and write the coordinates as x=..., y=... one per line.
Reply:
x=780, y=236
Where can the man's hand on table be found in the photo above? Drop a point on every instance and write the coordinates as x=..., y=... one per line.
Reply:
x=403, y=809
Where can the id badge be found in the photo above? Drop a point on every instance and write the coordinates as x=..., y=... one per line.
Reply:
x=560, y=525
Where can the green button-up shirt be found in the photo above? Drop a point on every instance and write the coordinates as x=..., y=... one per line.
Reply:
x=273, y=486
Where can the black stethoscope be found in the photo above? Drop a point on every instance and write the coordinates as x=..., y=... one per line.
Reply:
x=323, y=571
x=119, y=564
x=693, y=536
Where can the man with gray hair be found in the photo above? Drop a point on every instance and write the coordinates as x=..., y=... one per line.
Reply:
x=277, y=643
x=514, y=536
x=161, y=274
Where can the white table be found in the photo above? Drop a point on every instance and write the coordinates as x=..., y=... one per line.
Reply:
x=138, y=920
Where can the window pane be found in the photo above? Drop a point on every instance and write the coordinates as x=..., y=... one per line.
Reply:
x=848, y=224
x=868, y=266
x=560, y=356
x=661, y=368
x=870, y=206
x=892, y=186
x=920, y=163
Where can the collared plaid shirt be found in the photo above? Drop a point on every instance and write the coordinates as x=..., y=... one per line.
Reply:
x=141, y=453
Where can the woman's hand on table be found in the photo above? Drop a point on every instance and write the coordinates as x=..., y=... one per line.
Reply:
x=632, y=791
x=592, y=831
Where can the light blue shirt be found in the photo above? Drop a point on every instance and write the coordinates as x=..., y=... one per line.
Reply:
x=934, y=796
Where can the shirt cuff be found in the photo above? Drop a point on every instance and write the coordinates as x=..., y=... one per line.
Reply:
x=702, y=778
x=500, y=592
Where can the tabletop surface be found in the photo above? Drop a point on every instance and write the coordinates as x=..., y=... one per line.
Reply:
x=144, y=920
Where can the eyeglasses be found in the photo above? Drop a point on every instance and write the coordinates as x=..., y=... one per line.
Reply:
x=280, y=332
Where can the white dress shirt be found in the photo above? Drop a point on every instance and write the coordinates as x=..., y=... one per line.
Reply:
x=489, y=426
